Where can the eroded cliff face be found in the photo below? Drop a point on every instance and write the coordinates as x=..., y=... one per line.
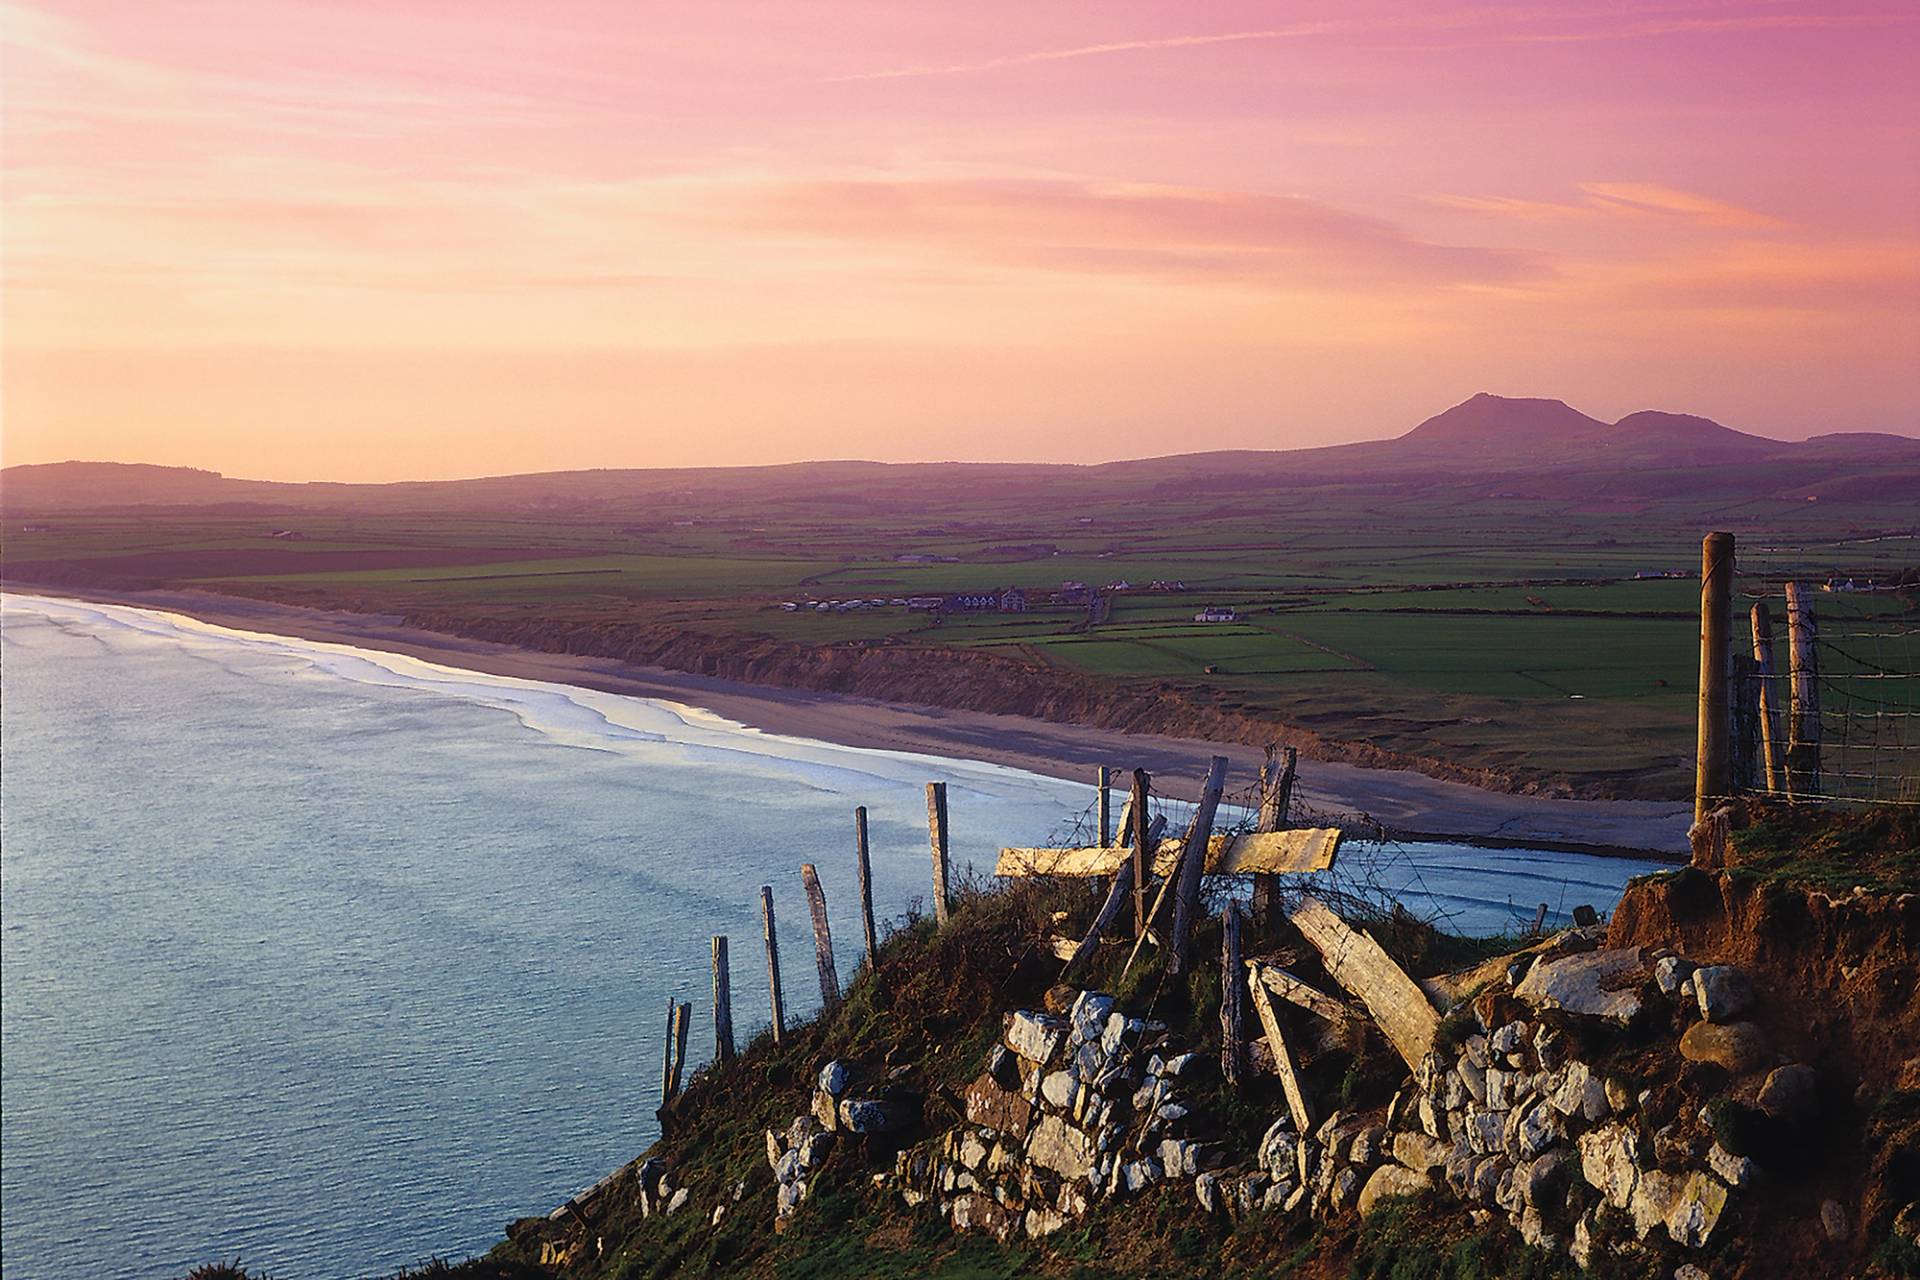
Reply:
x=1841, y=967
x=964, y=680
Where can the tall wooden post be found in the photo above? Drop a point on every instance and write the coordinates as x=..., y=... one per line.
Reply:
x=1103, y=782
x=1276, y=798
x=1233, y=986
x=666, y=1055
x=722, y=1002
x=1142, y=849
x=773, y=963
x=822, y=940
x=1803, y=711
x=1193, y=865
x=1712, y=777
x=937, y=835
x=865, y=869
x=1771, y=750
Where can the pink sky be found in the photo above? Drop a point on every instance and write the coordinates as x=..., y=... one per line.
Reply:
x=377, y=239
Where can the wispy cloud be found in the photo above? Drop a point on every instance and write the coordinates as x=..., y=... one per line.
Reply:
x=1091, y=51
x=1616, y=200
x=1479, y=27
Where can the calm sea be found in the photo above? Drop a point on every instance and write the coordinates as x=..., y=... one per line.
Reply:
x=329, y=960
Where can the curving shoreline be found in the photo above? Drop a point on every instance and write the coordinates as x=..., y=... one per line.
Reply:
x=1413, y=804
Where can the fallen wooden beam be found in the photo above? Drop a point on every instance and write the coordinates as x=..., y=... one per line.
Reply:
x=1356, y=962
x=1109, y=912
x=1253, y=853
x=1282, y=1058
x=1294, y=991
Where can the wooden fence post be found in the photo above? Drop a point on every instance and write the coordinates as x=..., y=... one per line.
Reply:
x=722, y=1002
x=1712, y=777
x=773, y=963
x=666, y=1055
x=1233, y=987
x=866, y=887
x=822, y=940
x=1193, y=865
x=1770, y=746
x=1103, y=781
x=937, y=834
x=1276, y=797
x=682, y=1016
x=1142, y=850
x=1803, y=711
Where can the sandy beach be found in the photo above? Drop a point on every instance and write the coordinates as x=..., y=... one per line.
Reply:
x=1411, y=804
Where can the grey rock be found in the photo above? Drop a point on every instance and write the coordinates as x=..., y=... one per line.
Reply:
x=1389, y=1181
x=678, y=1201
x=1507, y=1038
x=1670, y=974
x=1484, y=1185
x=814, y=1151
x=1058, y=1146
x=1476, y=1051
x=1722, y=991
x=1610, y=1162
x=1532, y=1130
x=1206, y=1189
x=1696, y=1211
x=776, y=1147
x=1037, y=1037
x=1041, y=1221
x=1089, y=1015
x=788, y=1197
x=1177, y=1158
x=1573, y=984
x=1180, y=1064
x=1369, y=1146
x=1275, y=1154
x=835, y=1079
x=1057, y=1089
x=1473, y=1079
x=1138, y=1175
x=973, y=1152
x=1347, y=1185
x=1789, y=1092
x=1833, y=1220
x=1544, y=1183
x=1486, y=1130
x=874, y=1115
x=1500, y=1089
x=1736, y=1171
x=1551, y=1047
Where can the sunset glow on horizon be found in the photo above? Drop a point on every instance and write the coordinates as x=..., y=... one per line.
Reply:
x=419, y=239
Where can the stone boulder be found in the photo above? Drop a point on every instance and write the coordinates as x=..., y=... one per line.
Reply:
x=1592, y=984
x=1058, y=1146
x=1734, y=1047
x=1790, y=1092
x=1037, y=1037
x=1722, y=991
x=1389, y=1181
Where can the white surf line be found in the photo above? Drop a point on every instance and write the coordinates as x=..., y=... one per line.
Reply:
x=611, y=721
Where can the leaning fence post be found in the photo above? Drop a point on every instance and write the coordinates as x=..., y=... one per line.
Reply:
x=1193, y=864
x=1143, y=850
x=822, y=940
x=1803, y=711
x=1769, y=700
x=1233, y=985
x=1103, y=781
x=722, y=1002
x=682, y=1015
x=773, y=962
x=937, y=834
x=864, y=867
x=1712, y=777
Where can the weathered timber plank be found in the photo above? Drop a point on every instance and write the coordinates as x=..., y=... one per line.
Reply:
x=822, y=939
x=1282, y=1058
x=1294, y=991
x=1357, y=963
x=1109, y=912
x=1275, y=852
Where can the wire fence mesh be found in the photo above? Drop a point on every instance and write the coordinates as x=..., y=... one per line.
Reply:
x=1827, y=707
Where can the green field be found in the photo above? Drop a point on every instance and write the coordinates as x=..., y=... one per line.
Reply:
x=1488, y=632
